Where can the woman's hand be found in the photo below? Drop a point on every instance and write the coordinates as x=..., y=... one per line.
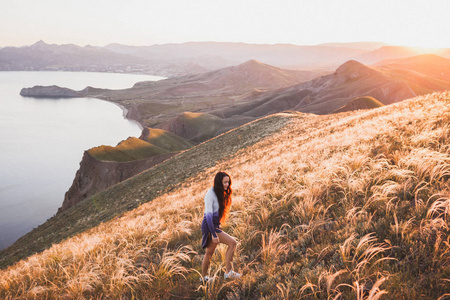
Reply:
x=215, y=240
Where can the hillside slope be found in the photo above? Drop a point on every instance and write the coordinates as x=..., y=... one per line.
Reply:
x=337, y=206
x=165, y=139
x=131, y=193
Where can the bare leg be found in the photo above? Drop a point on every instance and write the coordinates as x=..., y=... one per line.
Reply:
x=209, y=251
x=231, y=243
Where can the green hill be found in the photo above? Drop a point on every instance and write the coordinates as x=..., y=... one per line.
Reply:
x=165, y=139
x=195, y=127
x=345, y=206
x=127, y=150
x=153, y=142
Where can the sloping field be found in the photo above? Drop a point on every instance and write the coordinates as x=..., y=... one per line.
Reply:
x=354, y=206
x=142, y=188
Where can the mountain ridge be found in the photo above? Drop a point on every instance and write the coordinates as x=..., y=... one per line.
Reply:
x=388, y=84
x=172, y=60
x=42, y=56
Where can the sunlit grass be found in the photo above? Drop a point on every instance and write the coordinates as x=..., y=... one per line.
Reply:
x=128, y=150
x=348, y=206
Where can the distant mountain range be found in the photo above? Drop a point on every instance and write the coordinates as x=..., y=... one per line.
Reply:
x=42, y=56
x=390, y=83
x=193, y=58
x=198, y=107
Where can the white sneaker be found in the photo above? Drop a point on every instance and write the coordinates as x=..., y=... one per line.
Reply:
x=206, y=279
x=232, y=275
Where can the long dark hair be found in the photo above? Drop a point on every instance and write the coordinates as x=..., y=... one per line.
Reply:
x=224, y=196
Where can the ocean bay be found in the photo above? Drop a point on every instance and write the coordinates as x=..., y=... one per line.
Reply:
x=42, y=142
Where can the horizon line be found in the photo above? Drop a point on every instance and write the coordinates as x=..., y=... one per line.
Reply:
x=325, y=44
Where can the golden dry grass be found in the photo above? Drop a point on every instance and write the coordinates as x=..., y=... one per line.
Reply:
x=346, y=206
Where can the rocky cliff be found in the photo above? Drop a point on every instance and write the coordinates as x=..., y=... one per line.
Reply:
x=94, y=176
x=54, y=91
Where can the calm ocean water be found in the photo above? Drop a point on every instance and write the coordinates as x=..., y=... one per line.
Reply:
x=42, y=142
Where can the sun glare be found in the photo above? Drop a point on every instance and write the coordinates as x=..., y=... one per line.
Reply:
x=423, y=50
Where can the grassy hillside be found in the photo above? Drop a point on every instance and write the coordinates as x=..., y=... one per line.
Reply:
x=347, y=206
x=166, y=140
x=127, y=150
x=142, y=188
x=155, y=142
x=195, y=127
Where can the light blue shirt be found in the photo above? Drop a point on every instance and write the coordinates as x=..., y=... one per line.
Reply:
x=211, y=209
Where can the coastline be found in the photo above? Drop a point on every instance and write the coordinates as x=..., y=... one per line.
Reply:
x=46, y=193
x=57, y=91
x=127, y=114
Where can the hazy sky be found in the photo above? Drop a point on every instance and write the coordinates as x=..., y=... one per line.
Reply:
x=147, y=22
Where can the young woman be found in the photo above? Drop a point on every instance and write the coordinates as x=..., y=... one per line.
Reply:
x=217, y=207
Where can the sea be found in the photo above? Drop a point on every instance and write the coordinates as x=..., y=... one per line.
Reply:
x=42, y=142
